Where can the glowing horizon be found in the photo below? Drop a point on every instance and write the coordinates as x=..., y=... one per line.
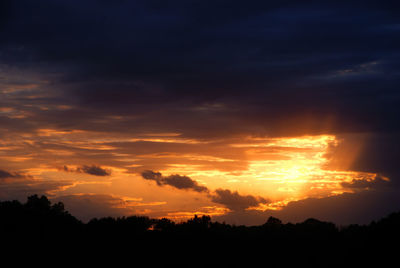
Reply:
x=280, y=169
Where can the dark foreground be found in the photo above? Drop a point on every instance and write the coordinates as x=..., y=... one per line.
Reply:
x=41, y=232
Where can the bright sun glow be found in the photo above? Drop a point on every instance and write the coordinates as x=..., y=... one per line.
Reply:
x=278, y=169
x=283, y=169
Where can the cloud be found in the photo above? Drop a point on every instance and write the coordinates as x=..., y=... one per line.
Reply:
x=91, y=170
x=360, y=207
x=363, y=184
x=12, y=175
x=17, y=185
x=88, y=206
x=266, y=69
x=95, y=170
x=177, y=181
x=232, y=200
x=20, y=189
x=235, y=201
x=155, y=176
x=197, y=82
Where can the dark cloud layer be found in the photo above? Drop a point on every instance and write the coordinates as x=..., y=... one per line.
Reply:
x=350, y=208
x=184, y=66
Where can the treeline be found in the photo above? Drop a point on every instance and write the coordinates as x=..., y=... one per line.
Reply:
x=315, y=242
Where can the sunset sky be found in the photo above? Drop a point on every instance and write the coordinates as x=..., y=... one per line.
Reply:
x=237, y=110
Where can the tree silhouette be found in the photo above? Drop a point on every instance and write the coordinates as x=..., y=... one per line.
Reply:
x=311, y=242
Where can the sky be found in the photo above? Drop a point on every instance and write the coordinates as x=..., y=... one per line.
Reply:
x=237, y=110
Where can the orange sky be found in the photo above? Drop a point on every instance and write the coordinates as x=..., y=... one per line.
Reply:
x=273, y=171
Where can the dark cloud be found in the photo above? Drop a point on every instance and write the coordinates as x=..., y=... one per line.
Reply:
x=16, y=185
x=12, y=175
x=91, y=170
x=211, y=69
x=379, y=154
x=349, y=208
x=177, y=181
x=20, y=189
x=361, y=207
x=88, y=206
x=5, y=174
x=232, y=200
x=362, y=184
x=94, y=170
x=236, y=202
x=208, y=70
x=154, y=176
